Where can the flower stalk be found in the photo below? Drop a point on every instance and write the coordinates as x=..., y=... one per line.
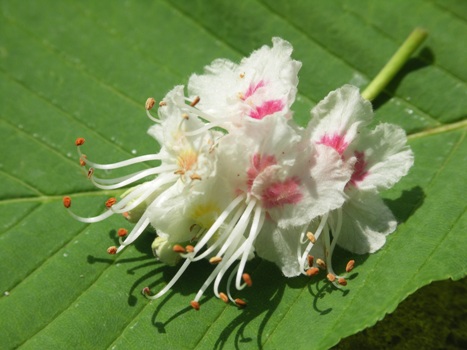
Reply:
x=394, y=65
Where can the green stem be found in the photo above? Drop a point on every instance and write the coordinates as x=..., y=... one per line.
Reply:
x=394, y=65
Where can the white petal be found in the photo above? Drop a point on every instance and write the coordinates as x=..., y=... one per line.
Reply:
x=366, y=223
x=387, y=156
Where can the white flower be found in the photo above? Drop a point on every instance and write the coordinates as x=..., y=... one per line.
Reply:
x=261, y=85
x=379, y=158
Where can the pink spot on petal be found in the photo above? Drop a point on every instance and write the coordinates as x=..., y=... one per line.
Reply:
x=279, y=194
x=359, y=171
x=335, y=141
x=258, y=164
x=267, y=108
x=252, y=89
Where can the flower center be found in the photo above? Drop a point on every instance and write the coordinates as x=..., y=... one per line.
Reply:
x=258, y=164
x=335, y=141
x=186, y=159
x=281, y=193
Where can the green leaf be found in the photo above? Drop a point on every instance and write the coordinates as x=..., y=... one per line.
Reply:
x=84, y=69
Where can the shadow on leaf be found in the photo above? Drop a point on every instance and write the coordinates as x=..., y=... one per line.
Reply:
x=424, y=59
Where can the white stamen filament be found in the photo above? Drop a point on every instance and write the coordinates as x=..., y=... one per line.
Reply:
x=124, y=163
x=303, y=259
x=154, y=119
x=140, y=226
x=133, y=177
x=92, y=219
x=256, y=226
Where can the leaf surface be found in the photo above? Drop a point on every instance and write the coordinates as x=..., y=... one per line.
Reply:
x=84, y=69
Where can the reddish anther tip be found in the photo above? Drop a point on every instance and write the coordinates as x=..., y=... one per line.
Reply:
x=331, y=277
x=223, y=297
x=146, y=291
x=82, y=160
x=67, y=202
x=112, y=250
x=79, y=141
x=240, y=303
x=194, y=305
x=177, y=248
x=342, y=281
x=350, y=265
x=90, y=172
x=312, y=271
x=150, y=102
x=122, y=232
x=310, y=260
x=247, y=279
x=111, y=201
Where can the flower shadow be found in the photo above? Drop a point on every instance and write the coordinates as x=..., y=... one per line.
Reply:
x=407, y=204
x=424, y=59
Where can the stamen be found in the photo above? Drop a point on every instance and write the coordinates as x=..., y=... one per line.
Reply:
x=177, y=248
x=189, y=248
x=195, y=101
x=247, y=279
x=342, y=281
x=146, y=291
x=312, y=271
x=82, y=160
x=311, y=237
x=350, y=265
x=150, y=103
x=79, y=141
x=195, y=305
x=122, y=232
x=90, y=173
x=310, y=260
x=137, y=230
x=195, y=177
x=131, y=161
x=112, y=250
x=331, y=277
x=162, y=104
x=321, y=263
x=67, y=202
x=224, y=297
x=111, y=201
x=215, y=260
x=185, y=116
x=240, y=303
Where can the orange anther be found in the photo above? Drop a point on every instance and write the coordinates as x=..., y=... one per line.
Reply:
x=350, y=265
x=223, y=297
x=122, y=232
x=67, y=201
x=311, y=237
x=331, y=277
x=189, y=248
x=185, y=116
x=247, y=279
x=321, y=263
x=111, y=201
x=194, y=305
x=195, y=177
x=162, y=104
x=82, y=160
x=342, y=281
x=90, y=172
x=240, y=302
x=177, y=248
x=79, y=141
x=215, y=260
x=312, y=271
x=112, y=250
x=146, y=291
x=310, y=260
x=150, y=103
x=195, y=101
